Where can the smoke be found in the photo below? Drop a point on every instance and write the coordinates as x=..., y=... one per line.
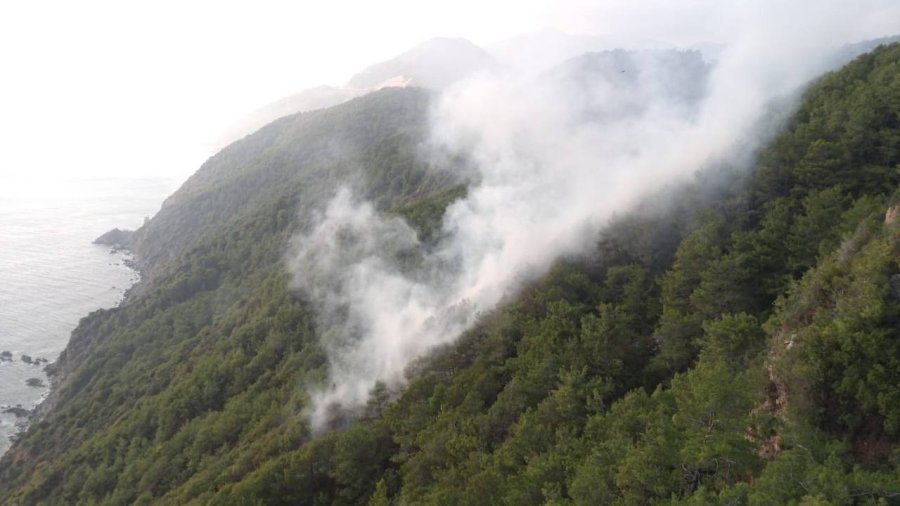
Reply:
x=374, y=316
x=555, y=158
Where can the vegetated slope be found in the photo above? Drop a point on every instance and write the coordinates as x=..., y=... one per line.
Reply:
x=367, y=144
x=435, y=64
x=310, y=99
x=613, y=384
x=740, y=348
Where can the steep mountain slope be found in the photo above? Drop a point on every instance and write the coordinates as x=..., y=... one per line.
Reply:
x=737, y=346
x=306, y=156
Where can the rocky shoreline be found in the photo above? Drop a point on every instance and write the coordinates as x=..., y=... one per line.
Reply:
x=27, y=416
x=81, y=341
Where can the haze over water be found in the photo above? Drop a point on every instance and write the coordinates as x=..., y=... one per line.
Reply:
x=51, y=275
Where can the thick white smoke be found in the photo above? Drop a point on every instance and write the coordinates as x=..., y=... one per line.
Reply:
x=556, y=157
x=373, y=317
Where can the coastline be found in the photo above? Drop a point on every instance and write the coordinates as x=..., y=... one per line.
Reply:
x=58, y=370
x=56, y=275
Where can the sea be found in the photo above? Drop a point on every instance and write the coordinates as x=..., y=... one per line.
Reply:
x=51, y=275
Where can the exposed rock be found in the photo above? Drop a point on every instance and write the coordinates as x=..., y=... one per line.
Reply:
x=117, y=238
x=776, y=393
x=6, y=356
x=18, y=411
x=771, y=447
x=28, y=359
x=890, y=217
x=35, y=382
x=50, y=369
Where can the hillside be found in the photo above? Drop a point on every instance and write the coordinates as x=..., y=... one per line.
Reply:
x=302, y=157
x=737, y=344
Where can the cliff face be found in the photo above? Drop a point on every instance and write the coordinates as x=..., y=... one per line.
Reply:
x=633, y=375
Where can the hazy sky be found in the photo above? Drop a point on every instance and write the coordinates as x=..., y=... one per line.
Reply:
x=98, y=87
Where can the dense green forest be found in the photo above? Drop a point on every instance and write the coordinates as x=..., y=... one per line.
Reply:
x=738, y=343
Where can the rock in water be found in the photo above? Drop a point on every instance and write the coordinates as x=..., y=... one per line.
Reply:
x=35, y=382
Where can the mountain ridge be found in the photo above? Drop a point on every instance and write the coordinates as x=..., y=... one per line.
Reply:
x=434, y=64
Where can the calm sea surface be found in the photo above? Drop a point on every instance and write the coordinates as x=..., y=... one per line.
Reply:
x=51, y=275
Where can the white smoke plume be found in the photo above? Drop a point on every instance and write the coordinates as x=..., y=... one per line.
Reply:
x=555, y=160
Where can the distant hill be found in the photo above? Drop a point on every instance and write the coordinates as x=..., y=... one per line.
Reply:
x=850, y=51
x=434, y=64
x=538, y=51
x=675, y=77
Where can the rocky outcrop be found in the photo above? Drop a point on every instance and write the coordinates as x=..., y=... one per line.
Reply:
x=18, y=411
x=116, y=238
x=893, y=212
